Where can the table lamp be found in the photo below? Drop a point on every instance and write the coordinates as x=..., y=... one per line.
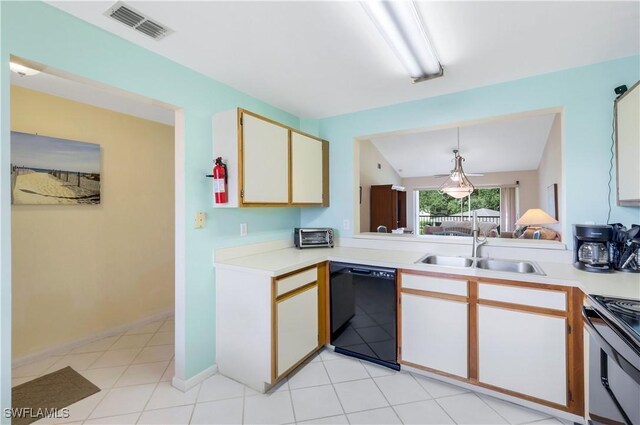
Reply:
x=533, y=219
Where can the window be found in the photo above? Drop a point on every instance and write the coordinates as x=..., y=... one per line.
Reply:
x=435, y=208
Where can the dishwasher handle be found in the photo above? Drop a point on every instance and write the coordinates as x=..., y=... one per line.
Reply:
x=360, y=271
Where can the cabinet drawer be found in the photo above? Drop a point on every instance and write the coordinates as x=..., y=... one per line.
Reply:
x=434, y=284
x=295, y=281
x=544, y=298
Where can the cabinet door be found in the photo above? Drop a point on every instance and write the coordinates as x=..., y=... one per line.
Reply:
x=306, y=169
x=297, y=328
x=523, y=352
x=265, y=161
x=435, y=333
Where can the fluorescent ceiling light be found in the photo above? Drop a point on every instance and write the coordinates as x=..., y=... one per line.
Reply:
x=401, y=26
x=22, y=70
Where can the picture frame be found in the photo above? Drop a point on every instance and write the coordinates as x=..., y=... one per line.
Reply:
x=53, y=171
x=552, y=200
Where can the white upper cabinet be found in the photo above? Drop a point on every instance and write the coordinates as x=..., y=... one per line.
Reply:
x=268, y=163
x=306, y=169
x=265, y=159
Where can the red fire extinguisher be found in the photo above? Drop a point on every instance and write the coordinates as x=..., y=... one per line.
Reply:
x=220, y=181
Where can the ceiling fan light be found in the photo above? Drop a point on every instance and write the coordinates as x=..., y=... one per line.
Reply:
x=457, y=185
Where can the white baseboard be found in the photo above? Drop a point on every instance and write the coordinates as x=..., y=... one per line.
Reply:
x=68, y=346
x=186, y=384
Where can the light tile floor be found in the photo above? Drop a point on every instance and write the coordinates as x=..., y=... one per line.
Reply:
x=134, y=371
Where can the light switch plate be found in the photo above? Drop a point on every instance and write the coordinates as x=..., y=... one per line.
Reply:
x=200, y=219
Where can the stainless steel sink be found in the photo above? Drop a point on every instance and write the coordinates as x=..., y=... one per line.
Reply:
x=512, y=266
x=491, y=264
x=443, y=260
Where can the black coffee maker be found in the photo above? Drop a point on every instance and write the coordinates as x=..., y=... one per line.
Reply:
x=591, y=247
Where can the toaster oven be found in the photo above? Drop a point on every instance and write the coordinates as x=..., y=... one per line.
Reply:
x=313, y=237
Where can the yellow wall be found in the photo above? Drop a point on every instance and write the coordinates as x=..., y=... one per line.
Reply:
x=79, y=270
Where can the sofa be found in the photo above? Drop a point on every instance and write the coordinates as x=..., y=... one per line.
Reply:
x=462, y=228
x=490, y=230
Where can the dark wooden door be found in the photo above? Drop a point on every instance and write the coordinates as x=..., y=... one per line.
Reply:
x=388, y=208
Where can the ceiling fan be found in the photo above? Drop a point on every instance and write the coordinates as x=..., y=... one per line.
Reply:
x=456, y=154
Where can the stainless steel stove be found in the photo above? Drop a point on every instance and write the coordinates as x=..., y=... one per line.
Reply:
x=614, y=359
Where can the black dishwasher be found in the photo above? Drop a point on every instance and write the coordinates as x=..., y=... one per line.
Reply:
x=363, y=312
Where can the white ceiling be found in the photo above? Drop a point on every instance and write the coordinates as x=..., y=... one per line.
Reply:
x=317, y=59
x=96, y=96
x=498, y=146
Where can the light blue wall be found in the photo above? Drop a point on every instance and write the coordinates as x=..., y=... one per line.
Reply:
x=43, y=34
x=585, y=93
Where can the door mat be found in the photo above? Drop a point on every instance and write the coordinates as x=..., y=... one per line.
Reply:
x=48, y=395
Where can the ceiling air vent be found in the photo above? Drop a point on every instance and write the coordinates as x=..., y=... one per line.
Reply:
x=132, y=18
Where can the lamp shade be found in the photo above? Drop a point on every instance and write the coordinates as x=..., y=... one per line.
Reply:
x=535, y=216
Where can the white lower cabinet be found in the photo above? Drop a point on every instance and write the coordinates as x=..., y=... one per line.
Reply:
x=266, y=325
x=297, y=328
x=435, y=333
x=523, y=352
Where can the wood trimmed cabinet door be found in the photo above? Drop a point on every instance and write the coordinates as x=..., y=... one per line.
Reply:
x=298, y=312
x=434, y=333
x=524, y=352
x=265, y=161
x=297, y=328
x=306, y=169
x=517, y=338
x=270, y=164
x=434, y=325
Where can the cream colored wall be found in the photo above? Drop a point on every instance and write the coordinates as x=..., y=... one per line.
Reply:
x=371, y=175
x=550, y=170
x=79, y=270
x=528, y=192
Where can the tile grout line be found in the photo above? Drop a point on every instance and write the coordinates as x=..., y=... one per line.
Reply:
x=112, y=388
x=489, y=406
x=344, y=412
x=381, y=392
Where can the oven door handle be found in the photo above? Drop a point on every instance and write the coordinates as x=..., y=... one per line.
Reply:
x=624, y=364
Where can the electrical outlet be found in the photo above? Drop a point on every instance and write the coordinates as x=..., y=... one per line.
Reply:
x=345, y=224
x=200, y=219
x=243, y=229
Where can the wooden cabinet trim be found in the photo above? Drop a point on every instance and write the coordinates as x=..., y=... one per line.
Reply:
x=436, y=274
x=325, y=176
x=304, y=269
x=290, y=168
x=524, y=308
x=323, y=313
x=324, y=307
x=297, y=291
x=431, y=294
x=325, y=165
x=472, y=332
x=574, y=334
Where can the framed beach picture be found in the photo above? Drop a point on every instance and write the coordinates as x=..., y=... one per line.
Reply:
x=47, y=170
x=552, y=200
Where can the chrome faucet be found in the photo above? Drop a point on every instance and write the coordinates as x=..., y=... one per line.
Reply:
x=475, y=232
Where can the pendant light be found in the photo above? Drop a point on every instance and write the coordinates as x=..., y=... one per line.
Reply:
x=457, y=185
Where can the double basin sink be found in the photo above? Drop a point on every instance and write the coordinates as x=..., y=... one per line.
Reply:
x=490, y=264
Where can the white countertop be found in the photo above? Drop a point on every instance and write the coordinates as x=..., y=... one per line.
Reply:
x=281, y=261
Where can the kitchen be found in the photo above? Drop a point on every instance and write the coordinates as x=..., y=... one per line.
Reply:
x=585, y=94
